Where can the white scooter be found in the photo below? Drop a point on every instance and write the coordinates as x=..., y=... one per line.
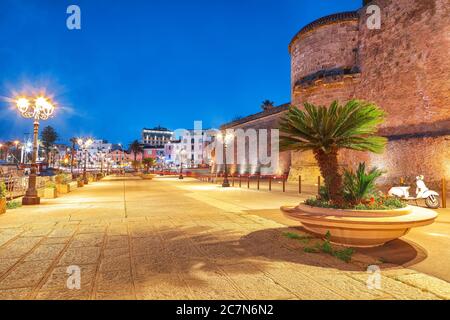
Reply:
x=422, y=192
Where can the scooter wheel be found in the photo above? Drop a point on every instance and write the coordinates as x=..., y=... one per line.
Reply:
x=432, y=202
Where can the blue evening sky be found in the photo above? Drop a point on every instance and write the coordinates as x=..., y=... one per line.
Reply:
x=143, y=63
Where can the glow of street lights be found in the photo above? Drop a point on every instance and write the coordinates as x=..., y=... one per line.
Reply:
x=41, y=109
x=23, y=104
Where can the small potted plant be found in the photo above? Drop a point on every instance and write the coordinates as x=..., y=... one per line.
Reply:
x=80, y=181
x=2, y=197
x=50, y=191
x=62, y=183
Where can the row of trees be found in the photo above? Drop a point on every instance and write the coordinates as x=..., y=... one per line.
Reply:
x=47, y=139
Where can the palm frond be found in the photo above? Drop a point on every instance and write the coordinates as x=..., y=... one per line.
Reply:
x=352, y=126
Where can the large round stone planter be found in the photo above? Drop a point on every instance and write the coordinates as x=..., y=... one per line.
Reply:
x=148, y=176
x=360, y=228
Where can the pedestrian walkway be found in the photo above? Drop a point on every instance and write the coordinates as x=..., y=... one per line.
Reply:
x=186, y=239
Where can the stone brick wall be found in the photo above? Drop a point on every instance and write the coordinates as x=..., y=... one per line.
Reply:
x=326, y=47
x=406, y=65
x=268, y=120
x=404, y=68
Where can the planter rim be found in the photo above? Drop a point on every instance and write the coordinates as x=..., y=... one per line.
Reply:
x=417, y=215
x=355, y=212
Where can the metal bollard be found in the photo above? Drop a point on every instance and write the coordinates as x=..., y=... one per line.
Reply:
x=318, y=185
x=248, y=182
x=270, y=183
x=240, y=181
x=444, y=193
x=284, y=184
x=299, y=184
x=258, y=181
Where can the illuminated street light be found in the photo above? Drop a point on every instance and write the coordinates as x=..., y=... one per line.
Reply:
x=182, y=154
x=39, y=108
x=85, y=144
x=225, y=139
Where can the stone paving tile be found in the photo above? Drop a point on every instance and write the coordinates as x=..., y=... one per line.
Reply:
x=256, y=284
x=80, y=256
x=37, y=232
x=64, y=294
x=25, y=274
x=118, y=241
x=18, y=247
x=62, y=232
x=87, y=240
x=397, y=289
x=15, y=294
x=115, y=281
x=303, y=286
x=6, y=264
x=114, y=252
x=57, y=280
x=45, y=252
x=349, y=287
x=114, y=263
x=426, y=283
x=8, y=236
x=162, y=287
x=62, y=240
x=92, y=229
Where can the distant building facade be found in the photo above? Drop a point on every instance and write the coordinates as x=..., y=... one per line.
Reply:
x=156, y=137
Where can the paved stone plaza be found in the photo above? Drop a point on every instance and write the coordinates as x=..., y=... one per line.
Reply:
x=172, y=239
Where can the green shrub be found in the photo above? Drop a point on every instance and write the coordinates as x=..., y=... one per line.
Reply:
x=13, y=205
x=62, y=178
x=2, y=190
x=326, y=247
x=324, y=195
x=50, y=184
x=295, y=236
x=360, y=185
x=311, y=250
x=344, y=255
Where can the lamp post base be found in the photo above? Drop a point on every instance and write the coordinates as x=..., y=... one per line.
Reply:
x=226, y=184
x=31, y=200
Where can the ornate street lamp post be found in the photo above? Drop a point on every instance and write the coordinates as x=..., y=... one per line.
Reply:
x=182, y=153
x=84, y=144
x=225, y=138
x=37, y=109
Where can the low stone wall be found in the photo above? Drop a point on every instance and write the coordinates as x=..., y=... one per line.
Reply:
x=403, y=159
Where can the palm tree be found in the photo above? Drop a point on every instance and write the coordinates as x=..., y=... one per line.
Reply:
x=136, y=148
x=326, y=130
x=149, y=163
x=48, y=138
x=267, y=104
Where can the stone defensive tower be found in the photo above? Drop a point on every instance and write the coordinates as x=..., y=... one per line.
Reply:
x=404, y=67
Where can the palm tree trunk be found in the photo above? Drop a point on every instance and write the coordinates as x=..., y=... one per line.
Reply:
x=329, y=168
